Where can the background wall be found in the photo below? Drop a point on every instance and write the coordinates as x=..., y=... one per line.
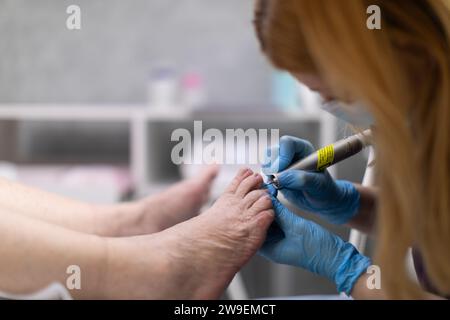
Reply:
x=109, y=59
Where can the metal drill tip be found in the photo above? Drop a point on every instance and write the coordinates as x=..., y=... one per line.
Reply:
x=272, y=181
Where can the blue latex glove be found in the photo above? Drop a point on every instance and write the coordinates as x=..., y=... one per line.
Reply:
x=298, y=242
x=337, y=201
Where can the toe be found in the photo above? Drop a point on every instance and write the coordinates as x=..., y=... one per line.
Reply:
x=248, y=184
x=261, y=223
x=240, y=176
x=263, y=203
x=208, y=174
x=253, y=196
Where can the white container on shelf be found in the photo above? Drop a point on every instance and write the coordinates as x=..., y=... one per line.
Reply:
x=162, y=88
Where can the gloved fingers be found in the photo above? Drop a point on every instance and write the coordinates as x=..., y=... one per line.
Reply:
x=250, y=183
x=283, y=216
x=289, y=150
x=274, y=233
x=270, y=156
x=240, y=176
x=273, y=250
x=293, y=149
x=253, y=196
x=272, y=190
x=311, y=182
x=296, y=197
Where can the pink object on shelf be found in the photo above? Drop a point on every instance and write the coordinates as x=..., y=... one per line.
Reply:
x=192, y=81
x=193, y=91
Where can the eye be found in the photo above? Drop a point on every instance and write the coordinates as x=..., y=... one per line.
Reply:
x=329, y=99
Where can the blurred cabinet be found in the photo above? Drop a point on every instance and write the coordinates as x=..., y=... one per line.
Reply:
x=135, y=135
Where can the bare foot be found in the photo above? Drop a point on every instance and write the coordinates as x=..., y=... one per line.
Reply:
x=195, y=259
x=181, y=201
x=155, y=213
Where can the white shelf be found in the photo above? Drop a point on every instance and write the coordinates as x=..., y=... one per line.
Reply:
x=125, y=113
x=86, y=112
x=141, y=116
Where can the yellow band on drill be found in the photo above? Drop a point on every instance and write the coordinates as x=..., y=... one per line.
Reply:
x=325, y=157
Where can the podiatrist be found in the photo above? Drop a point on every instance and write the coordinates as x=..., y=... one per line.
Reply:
x=398, y=76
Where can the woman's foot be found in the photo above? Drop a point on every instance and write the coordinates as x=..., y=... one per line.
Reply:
x=155, y=213
x=198, y=258
x=181, y=201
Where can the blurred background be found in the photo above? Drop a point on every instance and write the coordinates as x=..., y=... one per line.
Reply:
x=89, y=113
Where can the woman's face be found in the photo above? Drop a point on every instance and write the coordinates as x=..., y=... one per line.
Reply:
x=346, y=108
x=316, y=84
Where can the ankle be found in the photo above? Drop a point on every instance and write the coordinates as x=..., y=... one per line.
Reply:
x=94, y=271
x=137, y=268
x=103, y=270
x=128, y=219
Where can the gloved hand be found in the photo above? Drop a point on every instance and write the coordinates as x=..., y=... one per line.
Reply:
x=337, y=201
x=298, y=242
